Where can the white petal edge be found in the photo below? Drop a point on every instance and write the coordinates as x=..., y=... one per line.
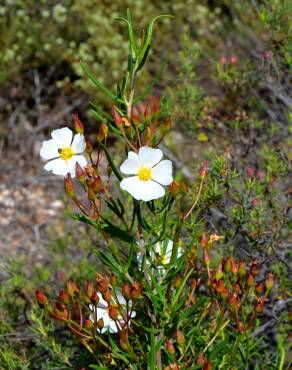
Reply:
x=142, y=190
x=162, y=172
x=149, y=157
x=49, y=150
x=62, y=137
x=58, y=167
x=131, y=165
x=78, y=145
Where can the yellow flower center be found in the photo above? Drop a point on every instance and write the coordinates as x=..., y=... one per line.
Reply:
x=162, y=260
x=66, y=153
x=144, y=174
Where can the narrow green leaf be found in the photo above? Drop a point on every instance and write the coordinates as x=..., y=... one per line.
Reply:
x=97, y=83
x=113, y=166
x=144, y=50
x=179, y=291
x=114, y=231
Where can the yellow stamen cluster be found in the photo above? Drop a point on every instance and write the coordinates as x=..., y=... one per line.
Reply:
x=144, y=174
x=66, y=153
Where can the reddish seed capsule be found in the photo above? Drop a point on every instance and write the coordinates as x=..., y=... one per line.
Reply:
x=126, y=291
x=69, y=187
x=259, y=287
x=41, y=298
x=80, y=173
x=250, y=280
x=113, y=313
x=233, y=60
x=270, y=281
x=88, y=324
x=117, y=118
x=64, y=296
x=180, y=338
x=78, y=125
x=169, y=347
x=227, y=264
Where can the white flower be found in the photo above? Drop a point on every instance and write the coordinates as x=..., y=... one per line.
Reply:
x=160, y=255
x=102, y=313
x=150, y=173
x=63, y=153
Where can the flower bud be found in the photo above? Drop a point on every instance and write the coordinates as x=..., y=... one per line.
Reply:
x=220, y=286
x=148, y=111
x=223, y=60
x=259, y=288
x=135, y=115
x=234, y=301
x=91, y=194
x=72, y=289
x=234, y=267
x=219, y=272
x=242, y=268
x=113, y=312
x=94, y=298
x=201, y=360
x=69, y=187
x=270, y=282
x=64, y=296
x=97, y=185
x=135, y=291
x=250, y=280
x=89, y=290
x=124, y=343
x=107, y=296
x=237, y=287
x=80, y=173
x=203, y=240
x=88, y=324
x=203, y=171
x=113, y=280
x=89, y=147
x=259, y=306
x=224, y=294
x=180, y=339
x=227, y=264
x=255, y=268
x=156, y=105
x=206, y=257
x=169, y=347
x=102, y=282
x=78, y=125
x=177, y=281
x=207, y=366
x=102, y=133
x=117, y=118
x=41, y=298
x=126, y=291
x=233, y=60
x=100, y=323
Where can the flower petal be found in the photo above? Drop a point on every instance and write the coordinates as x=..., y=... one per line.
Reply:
x=162, y=172
x=169, y=247
x=149, y=157
x=62, y=137
x=58, y=167
x=131, y=165
x=72, y=163
x=78, y=145
x=142, y=190
x=49, y=150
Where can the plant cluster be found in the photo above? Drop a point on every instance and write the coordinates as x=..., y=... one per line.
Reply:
x=164, y=297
